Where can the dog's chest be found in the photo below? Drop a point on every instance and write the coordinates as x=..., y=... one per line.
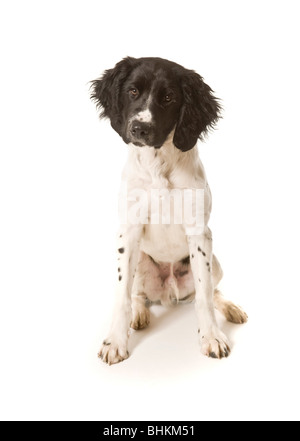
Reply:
x=162, y=239
x=159, y=173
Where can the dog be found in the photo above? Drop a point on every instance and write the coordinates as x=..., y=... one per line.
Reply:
x=160, y=109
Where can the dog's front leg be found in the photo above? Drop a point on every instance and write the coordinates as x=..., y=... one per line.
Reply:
x=213, y=342
x=114, y=348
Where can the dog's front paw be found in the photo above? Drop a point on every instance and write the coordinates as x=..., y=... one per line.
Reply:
x=214, y=344
x=112, y=353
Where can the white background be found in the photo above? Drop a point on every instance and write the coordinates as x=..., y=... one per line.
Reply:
x=59, y=176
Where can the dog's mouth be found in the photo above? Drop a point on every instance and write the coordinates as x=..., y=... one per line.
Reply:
x=152, y=142
x=145, y=139
x=142, y=135
x=140, y=144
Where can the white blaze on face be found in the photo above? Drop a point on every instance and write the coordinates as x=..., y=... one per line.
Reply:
x=145, y=115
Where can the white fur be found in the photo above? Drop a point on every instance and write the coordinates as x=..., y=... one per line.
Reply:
x=144, y=116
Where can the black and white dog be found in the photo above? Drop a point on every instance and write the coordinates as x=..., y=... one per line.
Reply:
x=161, y=109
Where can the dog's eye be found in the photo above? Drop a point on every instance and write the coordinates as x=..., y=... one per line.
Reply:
x=134, y=92
x=168, y=98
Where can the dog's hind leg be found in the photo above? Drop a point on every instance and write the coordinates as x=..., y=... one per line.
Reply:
x=232, y=312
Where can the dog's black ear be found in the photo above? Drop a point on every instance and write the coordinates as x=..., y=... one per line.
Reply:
x=199, y=113
x=105, y=91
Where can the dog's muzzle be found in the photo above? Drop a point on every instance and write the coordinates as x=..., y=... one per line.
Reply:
x=141, y=133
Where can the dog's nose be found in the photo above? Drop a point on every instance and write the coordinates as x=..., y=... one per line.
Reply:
x=140, y=130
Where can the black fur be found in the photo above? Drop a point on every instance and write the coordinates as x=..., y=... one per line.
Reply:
x=181, y=100
x=199, y=113
x=107, y=92
x=186, y=260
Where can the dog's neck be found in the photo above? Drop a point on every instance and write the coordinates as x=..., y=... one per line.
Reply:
x=162, y=167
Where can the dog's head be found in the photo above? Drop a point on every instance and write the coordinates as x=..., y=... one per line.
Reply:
x=147, y=98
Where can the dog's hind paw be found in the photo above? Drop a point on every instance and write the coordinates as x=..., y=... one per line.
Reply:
x=235, y=314
x=140, y=318
x=112, y=353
